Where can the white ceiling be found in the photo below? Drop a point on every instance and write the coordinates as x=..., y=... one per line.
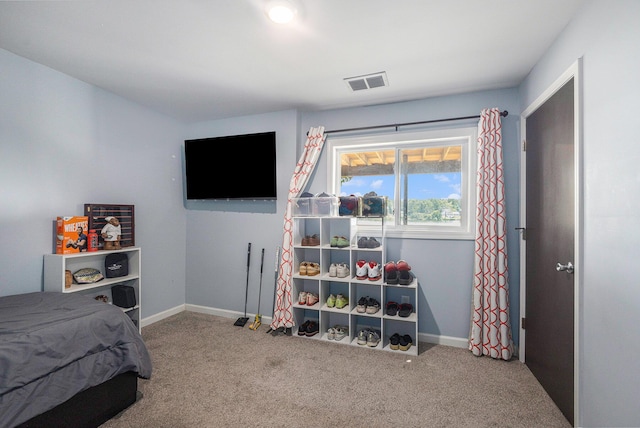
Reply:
x=200, y=60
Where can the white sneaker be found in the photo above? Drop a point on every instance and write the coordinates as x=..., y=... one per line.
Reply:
x=331, y=333
x=341, y=332
x=373, y=339
x=374, y=271
x=362, y=269
x=342, y=270
x=333, y=270
x=302, y=298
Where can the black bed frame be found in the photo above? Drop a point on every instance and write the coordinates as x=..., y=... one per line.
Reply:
x=91, y=407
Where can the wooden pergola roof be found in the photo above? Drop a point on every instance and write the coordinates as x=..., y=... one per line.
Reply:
x=422, y=160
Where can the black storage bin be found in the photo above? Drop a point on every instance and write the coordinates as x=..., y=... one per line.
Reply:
x=123, y=296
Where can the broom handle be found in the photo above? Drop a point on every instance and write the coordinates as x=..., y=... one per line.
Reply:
x=260, y=289
x=246, y=289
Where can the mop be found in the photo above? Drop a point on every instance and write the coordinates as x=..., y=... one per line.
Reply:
x=240, y=322
x=255, y=324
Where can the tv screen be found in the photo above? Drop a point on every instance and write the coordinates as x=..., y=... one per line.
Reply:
x=231, y=167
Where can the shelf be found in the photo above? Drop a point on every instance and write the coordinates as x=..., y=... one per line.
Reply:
x=323, y=284
x=55, y=266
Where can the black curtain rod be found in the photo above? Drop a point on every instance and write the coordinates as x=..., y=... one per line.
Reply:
x=396, y=125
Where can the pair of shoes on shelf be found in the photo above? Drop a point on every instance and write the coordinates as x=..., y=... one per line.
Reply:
x=339, y=242
x=307, y=298
x=368, y=270
x=331, y=301
x=402, y=309
x=308, y=328
x=398, y=273
x=337, y=332
x=311, y=241
x=309, y=268
x=368, y=305
x=341, y=301
x=401, y=342
x=365, y=242
x=368, y=337
x=339, y=270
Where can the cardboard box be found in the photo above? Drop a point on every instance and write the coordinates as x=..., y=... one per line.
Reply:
x=71, y=234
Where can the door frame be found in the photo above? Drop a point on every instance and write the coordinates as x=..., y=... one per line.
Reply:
x=575, y=72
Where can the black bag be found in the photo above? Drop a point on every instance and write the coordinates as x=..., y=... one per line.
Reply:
x=116, y=265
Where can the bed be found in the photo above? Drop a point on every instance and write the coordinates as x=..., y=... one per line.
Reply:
x=67, y=360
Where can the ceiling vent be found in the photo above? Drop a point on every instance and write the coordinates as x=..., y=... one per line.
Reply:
x=369, y=81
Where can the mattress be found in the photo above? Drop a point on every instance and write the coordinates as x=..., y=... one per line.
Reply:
x=54, y=345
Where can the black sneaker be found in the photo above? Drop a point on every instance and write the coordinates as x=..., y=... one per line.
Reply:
x=302, y=331
x=312, y=328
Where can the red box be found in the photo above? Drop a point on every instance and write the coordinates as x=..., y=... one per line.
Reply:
x=71, y=234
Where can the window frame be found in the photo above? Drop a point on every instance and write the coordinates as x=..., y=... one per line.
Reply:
x=466, y=137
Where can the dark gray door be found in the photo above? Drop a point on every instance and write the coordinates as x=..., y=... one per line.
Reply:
x=550, y=228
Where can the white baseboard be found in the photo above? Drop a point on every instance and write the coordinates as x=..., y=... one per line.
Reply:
x=224, y=313
x=422, y=337
x=162, y=315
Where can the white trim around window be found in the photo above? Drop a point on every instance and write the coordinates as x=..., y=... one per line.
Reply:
x=466, y=137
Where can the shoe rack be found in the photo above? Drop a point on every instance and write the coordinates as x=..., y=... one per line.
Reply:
x=322, y=231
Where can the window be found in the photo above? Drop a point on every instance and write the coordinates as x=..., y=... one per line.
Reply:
x=428, y=178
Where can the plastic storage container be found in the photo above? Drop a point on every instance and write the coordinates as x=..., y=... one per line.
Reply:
x=315, y=206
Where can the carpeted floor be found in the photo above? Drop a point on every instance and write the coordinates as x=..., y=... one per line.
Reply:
x=209, y=373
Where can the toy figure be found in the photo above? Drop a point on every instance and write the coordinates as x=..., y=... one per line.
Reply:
x=111, y=233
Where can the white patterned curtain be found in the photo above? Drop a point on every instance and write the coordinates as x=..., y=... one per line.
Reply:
x=282, y=314
x=490, y=326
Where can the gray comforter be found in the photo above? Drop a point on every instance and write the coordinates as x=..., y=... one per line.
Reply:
x=54, y=345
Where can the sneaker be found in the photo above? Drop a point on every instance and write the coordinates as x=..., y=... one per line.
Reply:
x=405, y=342
x=333, y=270
x=313, y=269
x=302, y=331
x=405, y=277
x=312, y=328
x=331, y=333
x=373, y=243
x=341, y=332
x=312, y=299
x=331, y=301
x=362, y=336
x=341, y=301
x=390, y=273
x=373, y=338
x=363, y=242
x=342, y=270
x=394, y=342
x=342, y=242
x=373, y=306
x=403, y=265
x=334, y=241
x=362, y=305
x=303, y=268
x=374, y=271
x=362, y=269
x=302, y=298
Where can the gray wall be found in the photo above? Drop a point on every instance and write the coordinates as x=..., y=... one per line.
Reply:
x=64, y=143
x=57, y=142
x=606, y=35
x=444, y=267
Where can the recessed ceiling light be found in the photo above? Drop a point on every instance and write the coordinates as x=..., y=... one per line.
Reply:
x=281, y=11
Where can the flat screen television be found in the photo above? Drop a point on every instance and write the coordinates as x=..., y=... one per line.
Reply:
x=231, y=167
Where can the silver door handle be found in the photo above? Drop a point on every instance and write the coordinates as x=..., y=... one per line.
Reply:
x=568, y=267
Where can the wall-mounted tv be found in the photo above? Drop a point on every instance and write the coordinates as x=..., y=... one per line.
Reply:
x=231, y=167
